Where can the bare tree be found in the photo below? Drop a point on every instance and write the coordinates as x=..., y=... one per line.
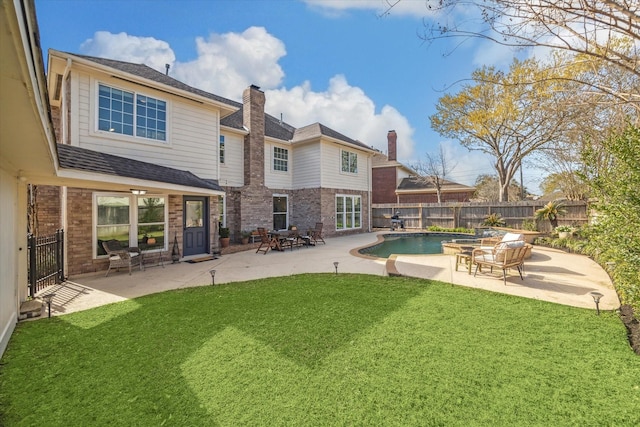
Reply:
x=434, y=170
x=596, y=30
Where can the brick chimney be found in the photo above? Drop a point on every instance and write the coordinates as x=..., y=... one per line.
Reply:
x=391, y=141
x=253, y=101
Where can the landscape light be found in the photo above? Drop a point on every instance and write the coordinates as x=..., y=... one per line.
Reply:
x=596, y=298
x=335, y=264
x=213, y=276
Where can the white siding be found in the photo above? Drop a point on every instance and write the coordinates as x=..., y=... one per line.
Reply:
x=273, y=178
x=192, y=131
x=306, y=168
x=332, y=175
x=12, y=225
x=232, y=170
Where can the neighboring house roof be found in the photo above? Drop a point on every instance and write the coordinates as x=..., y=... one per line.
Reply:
x=414, y=184
x=381, y=160
x=146, y=72
x=317, y=130
x=72, y=157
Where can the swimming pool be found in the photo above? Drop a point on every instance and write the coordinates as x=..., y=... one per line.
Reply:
x=411, y=243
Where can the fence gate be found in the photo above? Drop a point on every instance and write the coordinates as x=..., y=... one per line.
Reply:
x=46, y=261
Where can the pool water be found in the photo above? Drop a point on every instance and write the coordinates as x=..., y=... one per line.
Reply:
x=414, y=243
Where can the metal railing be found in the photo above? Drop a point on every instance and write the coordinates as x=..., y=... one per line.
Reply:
x=46, y=261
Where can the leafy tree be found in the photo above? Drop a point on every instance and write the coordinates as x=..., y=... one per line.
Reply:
x=503, y=115
x=488, y=189
x=600, y=31
x=568, y=184
x=616, y=229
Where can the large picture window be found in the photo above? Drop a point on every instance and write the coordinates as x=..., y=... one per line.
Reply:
x=349, y=162
x=133, y=114
x=348, y=212
x=280, y=159
x=139, y=221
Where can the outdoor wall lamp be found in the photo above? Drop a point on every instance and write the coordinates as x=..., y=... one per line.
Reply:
x=335, y=264
x=213, y=276
x=596, y=298
x=138, y=192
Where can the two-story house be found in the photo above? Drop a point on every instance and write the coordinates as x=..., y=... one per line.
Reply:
x=182, y=160
x=394, y=182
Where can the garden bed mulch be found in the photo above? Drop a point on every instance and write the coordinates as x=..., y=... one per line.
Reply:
x=633, y=327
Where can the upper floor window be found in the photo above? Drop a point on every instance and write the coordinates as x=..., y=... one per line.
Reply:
x=280, y=159
x=221, y=148
x=349, y=162
x=124, y=112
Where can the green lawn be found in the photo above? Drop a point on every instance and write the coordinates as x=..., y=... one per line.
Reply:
x=315, y=350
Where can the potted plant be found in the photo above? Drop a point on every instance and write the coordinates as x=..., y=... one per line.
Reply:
x=564, y=231
x=224, y=237
x=245, y=236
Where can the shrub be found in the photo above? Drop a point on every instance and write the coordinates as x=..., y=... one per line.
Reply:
x=494, y=220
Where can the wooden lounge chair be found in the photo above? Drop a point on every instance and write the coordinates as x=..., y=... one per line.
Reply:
x=503, y=255
x=316, y=234
x=267, y=242
x=120, y=257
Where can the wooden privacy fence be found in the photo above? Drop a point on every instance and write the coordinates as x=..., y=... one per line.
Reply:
x=471, y=214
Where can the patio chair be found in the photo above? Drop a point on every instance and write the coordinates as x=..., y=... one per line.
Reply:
x=120, y=257
x=266, y=242
x=316, y=234
x=503, y=255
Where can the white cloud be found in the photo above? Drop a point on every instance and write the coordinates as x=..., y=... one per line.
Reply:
x=380, y=7
x=124, y=47
x=228, y=63
x=344, y=108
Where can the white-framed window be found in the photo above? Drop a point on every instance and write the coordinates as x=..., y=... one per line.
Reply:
x=280, y=159
x=349, y=163
x=348, y=212
x=221, y=149
x=139, y=221
x=280, y=211
x=130, y=113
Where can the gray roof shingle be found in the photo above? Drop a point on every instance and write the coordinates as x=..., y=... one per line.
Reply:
x=274, y=128
x=144, y=71
x=420, y=183
x=72, y=157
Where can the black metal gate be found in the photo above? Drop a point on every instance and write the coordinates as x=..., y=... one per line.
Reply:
x=46, y=261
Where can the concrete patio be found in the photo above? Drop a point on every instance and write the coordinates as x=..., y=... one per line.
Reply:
x=550, y=275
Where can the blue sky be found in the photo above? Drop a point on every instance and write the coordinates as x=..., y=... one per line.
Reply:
x=337, y=62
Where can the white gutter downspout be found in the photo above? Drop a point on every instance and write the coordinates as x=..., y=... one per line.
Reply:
x=63, y=189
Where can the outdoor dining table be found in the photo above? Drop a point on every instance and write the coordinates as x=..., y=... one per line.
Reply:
x=280, y=236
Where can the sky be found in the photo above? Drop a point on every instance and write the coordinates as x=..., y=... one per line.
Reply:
x=343, y=63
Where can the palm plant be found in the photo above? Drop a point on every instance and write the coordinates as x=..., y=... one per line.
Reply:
x=551, y=211
x=494, y=220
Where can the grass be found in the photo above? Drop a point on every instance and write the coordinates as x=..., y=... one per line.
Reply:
x=314, y=350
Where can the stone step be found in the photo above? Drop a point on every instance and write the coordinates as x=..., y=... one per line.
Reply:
x=30, y=309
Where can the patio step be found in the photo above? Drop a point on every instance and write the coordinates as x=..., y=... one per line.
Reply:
x=30, y=309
